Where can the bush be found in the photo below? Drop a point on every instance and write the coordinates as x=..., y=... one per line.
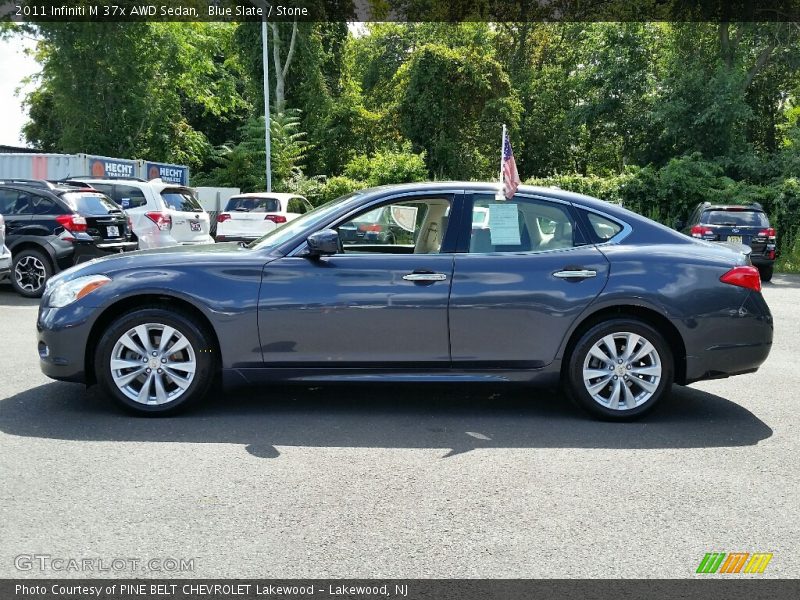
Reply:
x=388, y=167
x=337, y=186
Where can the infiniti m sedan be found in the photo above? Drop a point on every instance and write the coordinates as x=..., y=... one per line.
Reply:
x=548, y=288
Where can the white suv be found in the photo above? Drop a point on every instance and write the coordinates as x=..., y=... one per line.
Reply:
x=249, y=216
x=161, y=214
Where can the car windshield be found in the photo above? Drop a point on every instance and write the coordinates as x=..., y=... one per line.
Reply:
x=90, y=203
x=250, y=204
x=181, y=200
x=743, y=218
x=308, y=221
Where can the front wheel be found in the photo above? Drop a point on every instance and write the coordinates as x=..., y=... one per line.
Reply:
x=154, y=361
x=620, y=369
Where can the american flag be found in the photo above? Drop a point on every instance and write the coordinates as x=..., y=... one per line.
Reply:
x=510, y=173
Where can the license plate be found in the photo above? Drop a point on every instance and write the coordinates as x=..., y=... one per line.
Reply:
x=112, y=231
x=735, y=238
x=194, y=225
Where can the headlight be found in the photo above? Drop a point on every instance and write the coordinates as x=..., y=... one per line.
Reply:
x=70, y=291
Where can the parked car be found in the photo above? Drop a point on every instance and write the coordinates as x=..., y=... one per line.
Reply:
x=162, y=214
x=50, y=227
x=613, y=306
x=5, y=253
x=249, y=216
x=736, y=224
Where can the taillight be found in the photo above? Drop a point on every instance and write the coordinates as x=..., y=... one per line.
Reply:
x=700, y=231
x=72, y=223
x=744, y=276
x=222, y=217
x=768, y=233
x=275, y=218
x=163, y=221
x=375, y=228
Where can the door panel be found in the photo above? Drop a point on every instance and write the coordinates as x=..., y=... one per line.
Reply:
x=513, y=311
x=355, y=310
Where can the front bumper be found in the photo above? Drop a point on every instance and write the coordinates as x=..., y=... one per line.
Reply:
x=5, y=262
x=63, y=335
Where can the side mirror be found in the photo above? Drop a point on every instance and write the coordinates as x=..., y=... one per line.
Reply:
x=323, y=243
x=679, y=224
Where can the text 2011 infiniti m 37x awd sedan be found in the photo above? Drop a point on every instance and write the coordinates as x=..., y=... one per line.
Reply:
x=549, y=287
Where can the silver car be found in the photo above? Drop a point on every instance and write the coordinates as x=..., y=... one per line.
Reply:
x=5, y=254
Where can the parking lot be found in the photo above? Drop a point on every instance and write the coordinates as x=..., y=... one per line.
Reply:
x=416, y=481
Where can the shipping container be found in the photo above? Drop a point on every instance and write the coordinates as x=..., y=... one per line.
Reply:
x=62, y=166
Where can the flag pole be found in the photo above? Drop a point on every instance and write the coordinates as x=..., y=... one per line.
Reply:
x=502, y=152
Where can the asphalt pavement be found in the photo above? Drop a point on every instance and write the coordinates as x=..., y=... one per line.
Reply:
x=397, y=481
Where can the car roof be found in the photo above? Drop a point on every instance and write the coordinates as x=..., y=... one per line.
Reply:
x=275, y=195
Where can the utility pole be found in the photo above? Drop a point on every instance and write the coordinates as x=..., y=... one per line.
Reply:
x=265, y=60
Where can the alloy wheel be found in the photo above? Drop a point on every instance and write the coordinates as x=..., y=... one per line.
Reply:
x=30, y=273
x=153, y=364
x=622, y=371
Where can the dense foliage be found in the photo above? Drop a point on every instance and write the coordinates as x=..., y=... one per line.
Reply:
x=659, y=116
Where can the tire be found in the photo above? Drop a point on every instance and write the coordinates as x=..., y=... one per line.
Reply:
x=766, y=272
x=169, y=389
x=30, y=270
x=627, y=394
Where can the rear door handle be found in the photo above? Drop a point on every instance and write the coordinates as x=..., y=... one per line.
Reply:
x=575, y=274
x=425, y=277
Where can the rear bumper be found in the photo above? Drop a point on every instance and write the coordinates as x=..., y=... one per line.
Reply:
x=731, y=345
x=84, y=252
x=236, y=238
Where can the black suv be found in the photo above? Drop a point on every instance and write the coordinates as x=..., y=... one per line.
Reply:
x=746, y=224
x=52, y=226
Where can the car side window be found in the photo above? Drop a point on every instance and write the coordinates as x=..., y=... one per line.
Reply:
x=297, y=206
x=128, y=196
x=8, y=202
x=603, y=228
x=519, y=225
x=415, y=226
x=39, y=205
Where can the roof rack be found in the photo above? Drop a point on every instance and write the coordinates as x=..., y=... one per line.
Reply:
x=39, y=183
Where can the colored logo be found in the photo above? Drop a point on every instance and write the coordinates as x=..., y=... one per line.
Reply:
x=734, y=562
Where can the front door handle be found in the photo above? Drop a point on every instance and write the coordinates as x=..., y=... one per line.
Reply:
x=425, y=277
x=575, y=274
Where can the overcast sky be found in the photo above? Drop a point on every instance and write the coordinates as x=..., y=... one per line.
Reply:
x=14, y=67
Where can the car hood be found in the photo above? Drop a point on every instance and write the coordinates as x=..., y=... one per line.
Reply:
x=156, y=258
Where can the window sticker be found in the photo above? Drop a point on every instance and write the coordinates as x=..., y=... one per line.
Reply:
x=405, y=217
x=126, y=202
x=504, y=225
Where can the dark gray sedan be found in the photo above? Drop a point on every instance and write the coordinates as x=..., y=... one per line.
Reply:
x=549, y=288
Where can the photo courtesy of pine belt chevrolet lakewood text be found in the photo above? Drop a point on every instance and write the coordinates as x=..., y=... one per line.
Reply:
x=445, y=282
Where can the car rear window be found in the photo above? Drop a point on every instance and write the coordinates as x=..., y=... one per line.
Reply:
x=743, y=218
x=259, y=205
x=90, y=203
x=181, y=200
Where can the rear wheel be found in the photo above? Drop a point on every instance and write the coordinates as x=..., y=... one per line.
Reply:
x=620, y=369
x=30, y=271
x=155, y=362
x=766, y=272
